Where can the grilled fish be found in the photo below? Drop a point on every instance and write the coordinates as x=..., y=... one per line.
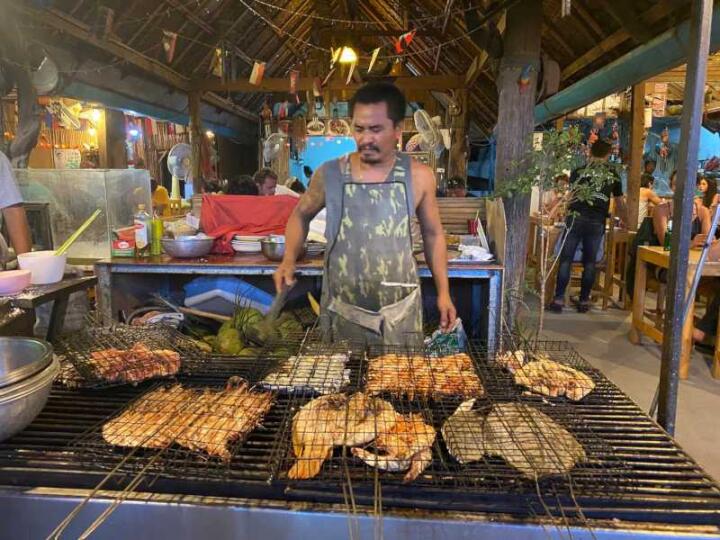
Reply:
x=335, y=420
x=463, y=433
x=406, y=446
x=530, y=441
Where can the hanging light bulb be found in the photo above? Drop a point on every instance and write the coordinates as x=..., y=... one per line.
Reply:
x=348, y=56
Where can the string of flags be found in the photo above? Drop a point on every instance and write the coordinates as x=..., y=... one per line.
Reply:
x=217, y=63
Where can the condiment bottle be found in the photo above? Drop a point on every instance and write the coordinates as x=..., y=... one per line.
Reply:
x=668, y=236
x=156, y=232
x=141, y=220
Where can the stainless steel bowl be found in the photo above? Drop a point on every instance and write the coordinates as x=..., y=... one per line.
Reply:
x=22, y=357
x=185, y=247
x=273, y=247
x=20, y=403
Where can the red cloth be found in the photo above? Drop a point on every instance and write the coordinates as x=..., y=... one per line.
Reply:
x=224, y=216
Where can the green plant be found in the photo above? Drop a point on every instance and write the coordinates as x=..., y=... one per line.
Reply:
x=545, y=168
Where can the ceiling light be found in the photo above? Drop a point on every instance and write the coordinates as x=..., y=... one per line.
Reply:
x=209, y=134
x=348, y=56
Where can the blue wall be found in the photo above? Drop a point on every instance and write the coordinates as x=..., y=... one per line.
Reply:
x=318, y=150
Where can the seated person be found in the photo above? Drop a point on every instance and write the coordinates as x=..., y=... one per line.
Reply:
x=555, y=200
x=707, y=191
x=647, y=197
x=266, y=181
x=11, y=207
x=456, y=187
x=242, y=185
x=707, y=326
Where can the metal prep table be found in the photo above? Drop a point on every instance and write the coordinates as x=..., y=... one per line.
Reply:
x=125, y=282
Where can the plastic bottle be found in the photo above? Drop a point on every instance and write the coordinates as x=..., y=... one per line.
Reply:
x=668, y=236
x=156, y=232
x=141, y=220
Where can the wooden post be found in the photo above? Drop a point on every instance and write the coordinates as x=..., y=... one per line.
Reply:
x=111, y=139
x=195, y=139
x=635, y=164
x=457, y=164
x=516, y=121
x=559, y=123
x=698, y=49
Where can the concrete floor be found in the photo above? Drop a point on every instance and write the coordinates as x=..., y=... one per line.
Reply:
x=601, y=338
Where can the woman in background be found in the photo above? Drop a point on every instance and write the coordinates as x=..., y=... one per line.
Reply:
x=647, y=197
x=707, y=191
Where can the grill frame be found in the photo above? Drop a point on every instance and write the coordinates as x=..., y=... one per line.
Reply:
x=668, y=486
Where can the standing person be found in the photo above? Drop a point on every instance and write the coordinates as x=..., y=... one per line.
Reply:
x=586, y=226
x=708, y=192
x=649, y=166
x=266, y=181
x=371, y=290
x=12, y=209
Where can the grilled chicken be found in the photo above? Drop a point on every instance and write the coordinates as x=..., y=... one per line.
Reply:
x=405, y=446
x=204, y=421
x=545, y=376
x=526, y=438
x=153, y=421
x=223, y=417
x=530, y=441
x=424, y=377
x=133, y=365
x=335, y=420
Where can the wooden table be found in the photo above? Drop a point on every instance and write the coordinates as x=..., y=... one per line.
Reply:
x=37, y=295
x=655, y=255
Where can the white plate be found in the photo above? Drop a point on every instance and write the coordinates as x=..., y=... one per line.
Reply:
x=246, y=249
x=239, y=238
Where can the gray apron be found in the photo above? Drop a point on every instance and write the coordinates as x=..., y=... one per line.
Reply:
x=371, y=291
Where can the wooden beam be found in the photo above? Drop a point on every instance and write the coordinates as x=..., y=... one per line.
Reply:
x=678, y=76
x=625, y=15
x=650, y=17
x=60, y=21
x=426, y=82
x=635, y=165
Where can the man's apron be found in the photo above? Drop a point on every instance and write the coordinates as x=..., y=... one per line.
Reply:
x=371, y=291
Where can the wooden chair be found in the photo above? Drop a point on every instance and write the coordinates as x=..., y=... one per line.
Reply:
x=456, y=211
x=616, y=254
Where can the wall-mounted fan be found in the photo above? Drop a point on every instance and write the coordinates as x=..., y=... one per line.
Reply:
x=178, y=162
x=272, y=146
x=431, y=139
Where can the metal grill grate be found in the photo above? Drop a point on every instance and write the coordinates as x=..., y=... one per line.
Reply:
x=105, y=356
x=634, y=471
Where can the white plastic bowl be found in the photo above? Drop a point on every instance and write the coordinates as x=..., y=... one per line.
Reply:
x=46, y=267
x=14, y=281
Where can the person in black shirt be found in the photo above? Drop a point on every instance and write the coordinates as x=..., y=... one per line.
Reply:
x=586, y=226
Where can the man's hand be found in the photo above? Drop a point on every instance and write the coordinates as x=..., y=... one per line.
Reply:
x=448, y=314
x=284, y=276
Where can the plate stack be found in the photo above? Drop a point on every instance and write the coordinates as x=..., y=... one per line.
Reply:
x=246, y=244
x=314, y=249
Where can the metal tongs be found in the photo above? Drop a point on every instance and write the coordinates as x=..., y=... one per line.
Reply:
x=258, y=334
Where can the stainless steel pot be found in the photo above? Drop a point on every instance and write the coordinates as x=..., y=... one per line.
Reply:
x=22, y=357
x=21, y=402
x=273, y=247
x=185, y=247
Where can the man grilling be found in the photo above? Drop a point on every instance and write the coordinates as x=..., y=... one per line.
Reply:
x=371, y=291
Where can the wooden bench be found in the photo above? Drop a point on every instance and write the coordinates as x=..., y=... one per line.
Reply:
x=455, y=212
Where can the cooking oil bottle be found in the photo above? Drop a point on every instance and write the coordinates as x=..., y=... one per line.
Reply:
x=141, y=220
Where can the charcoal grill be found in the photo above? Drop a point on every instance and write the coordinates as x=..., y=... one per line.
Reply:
x=638, y=473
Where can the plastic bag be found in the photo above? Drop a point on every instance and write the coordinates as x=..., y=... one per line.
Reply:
x=446, y=343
